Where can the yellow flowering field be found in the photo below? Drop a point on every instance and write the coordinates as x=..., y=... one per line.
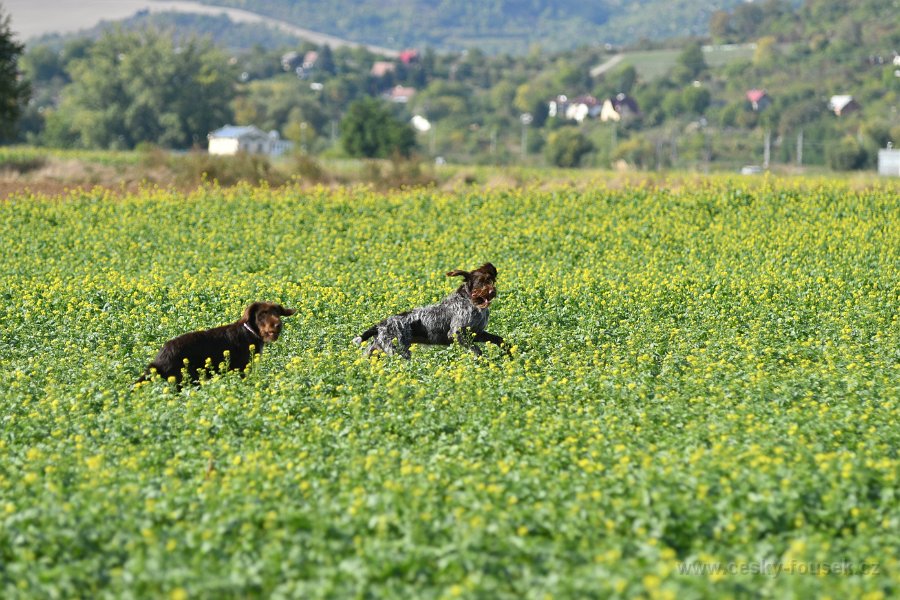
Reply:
x=703, y=396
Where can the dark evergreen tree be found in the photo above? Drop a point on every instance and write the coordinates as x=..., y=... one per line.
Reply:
x=14, y=89
x=369, y=130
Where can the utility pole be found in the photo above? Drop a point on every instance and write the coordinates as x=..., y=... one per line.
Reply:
x=800, y=149
x=707, y=150
x=767, y=149
x=526, y=119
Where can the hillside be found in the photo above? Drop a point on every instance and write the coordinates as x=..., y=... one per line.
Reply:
x=220, y=29
x=692, y=101
x=493, y=26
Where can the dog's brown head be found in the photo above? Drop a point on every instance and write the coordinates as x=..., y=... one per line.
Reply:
x=265, y=319
x=478, y=285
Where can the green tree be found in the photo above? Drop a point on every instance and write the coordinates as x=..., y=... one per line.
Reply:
x=719, y=25
x=325, y=62
x=138, y=87
x=673, y=104
x=746, y=19
x=14, y=90
x=766, y=53
x=626, y=77
x=690, y=64
x=369, y=130
x=695, y=100
x=566, y=147
x=845, y=155
x=638, y=152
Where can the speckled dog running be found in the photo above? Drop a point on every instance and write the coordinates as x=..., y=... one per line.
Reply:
x=466, y=309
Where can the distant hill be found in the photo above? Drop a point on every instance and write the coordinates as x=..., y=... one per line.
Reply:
x=219, y=28
x=494, y=26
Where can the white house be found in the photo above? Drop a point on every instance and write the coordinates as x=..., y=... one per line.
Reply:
x=618, y=108
x=232, y=139
x=889, y=162
x=574, y=110
x=420, y=123
x=842, y=104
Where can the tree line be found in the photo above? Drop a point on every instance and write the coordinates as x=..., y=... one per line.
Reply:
x=128, y=88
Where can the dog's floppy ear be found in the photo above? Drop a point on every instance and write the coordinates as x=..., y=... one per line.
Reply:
x=489, y=269
x=284, y=312
x=455, y=272
x=250, y=312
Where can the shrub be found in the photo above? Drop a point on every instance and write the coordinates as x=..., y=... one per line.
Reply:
x=846, y=155
x=195, y=167
x=566, y=147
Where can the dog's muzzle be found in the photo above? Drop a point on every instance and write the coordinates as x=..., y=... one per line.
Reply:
x=482, y=298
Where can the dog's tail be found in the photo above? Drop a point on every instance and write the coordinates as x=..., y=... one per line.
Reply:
x=366, y=334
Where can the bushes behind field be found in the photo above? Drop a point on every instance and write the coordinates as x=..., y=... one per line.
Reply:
x=197, y=167
x=194, y=168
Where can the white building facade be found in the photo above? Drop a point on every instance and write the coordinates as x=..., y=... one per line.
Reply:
x=230, y=140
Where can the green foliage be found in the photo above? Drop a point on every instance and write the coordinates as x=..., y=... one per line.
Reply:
x=369, y=130
x=800, y=112
x=766, y=54
x=20, y=164
x=14, y=90
x=491, y=26
x=690, y=64
x=752, y=20
x=308, y=169
x=566, y=147
x=637, y=152
x=235, y=35
x=138, y=87
x=846, y=155
x=504, y=27
x=695, y=99
x=284, y=104
x=625, y=79
x=197, y=167
x=474, y=99
x=703, y=372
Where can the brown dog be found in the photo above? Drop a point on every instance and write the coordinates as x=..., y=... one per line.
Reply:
x=242, y=339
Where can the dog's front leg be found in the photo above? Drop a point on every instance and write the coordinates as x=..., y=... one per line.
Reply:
x=484, y=336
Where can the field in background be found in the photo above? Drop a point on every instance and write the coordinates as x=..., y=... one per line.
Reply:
x=28, y=170
x=703, y=385
x=651, y=64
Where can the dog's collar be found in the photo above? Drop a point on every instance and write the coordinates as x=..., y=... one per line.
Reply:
x=250, y=329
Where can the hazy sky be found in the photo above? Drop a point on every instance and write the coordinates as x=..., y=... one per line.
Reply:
x=37, y=17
